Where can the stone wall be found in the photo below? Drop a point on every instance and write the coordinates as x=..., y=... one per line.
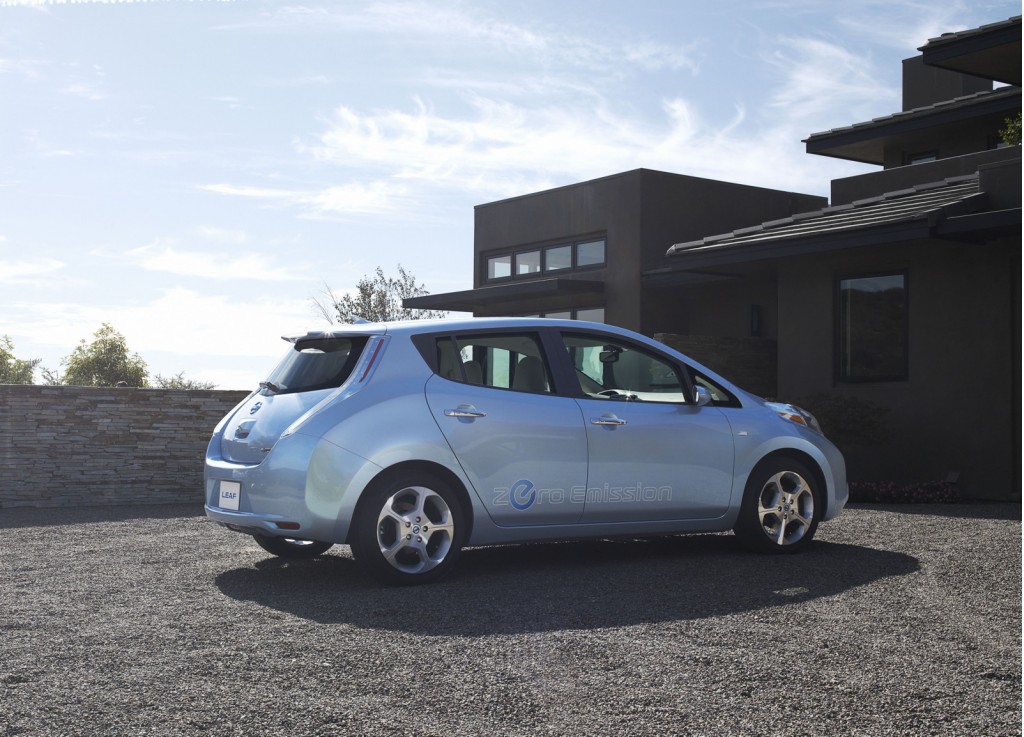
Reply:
x=66, y=445
x=749, y=363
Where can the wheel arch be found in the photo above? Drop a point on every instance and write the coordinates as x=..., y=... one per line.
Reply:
x=436, y=469
x=804, y=459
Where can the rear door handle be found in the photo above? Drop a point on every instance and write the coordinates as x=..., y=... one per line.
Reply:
x=611, y=420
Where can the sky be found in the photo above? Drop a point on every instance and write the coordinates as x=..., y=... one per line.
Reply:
x=196, y=173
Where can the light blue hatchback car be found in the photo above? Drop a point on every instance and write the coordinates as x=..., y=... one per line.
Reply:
x=408, y=441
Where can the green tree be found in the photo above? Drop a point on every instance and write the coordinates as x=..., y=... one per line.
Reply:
x=104, y=362
x=14, y=370
x=178, y=381
x=1011, y=133
x=377, y=299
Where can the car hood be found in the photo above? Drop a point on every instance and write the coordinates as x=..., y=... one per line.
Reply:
x=259, y=421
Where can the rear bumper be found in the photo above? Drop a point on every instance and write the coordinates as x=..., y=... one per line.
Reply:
x=306, y=488
x=250, y=524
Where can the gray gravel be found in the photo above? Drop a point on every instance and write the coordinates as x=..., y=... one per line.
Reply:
x=902, y=620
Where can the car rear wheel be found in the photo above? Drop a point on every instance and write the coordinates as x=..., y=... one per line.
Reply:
x=781, y=507
x=408, y=530
x=287, y=547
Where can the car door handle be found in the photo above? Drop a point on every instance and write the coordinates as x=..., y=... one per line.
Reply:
x=607, y=420
x=470, y=412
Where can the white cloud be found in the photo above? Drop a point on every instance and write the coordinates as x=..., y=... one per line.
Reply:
x=353, y=198
x=908, y=24
x=463, y=27
x=503, y=149
x=163, y=255
x=45, y=148
x=85, y=91
x=27, y=271
x=41, y=4
x=819, y=79
x=224, y=235
x=179, y=321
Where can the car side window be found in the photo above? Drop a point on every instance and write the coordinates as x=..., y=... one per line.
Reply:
x=612, y=369
x=503, y=361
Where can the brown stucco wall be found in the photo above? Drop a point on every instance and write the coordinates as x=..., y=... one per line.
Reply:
x=958, y=411
x=747, y=362
x=64, y=446
x=641, y=213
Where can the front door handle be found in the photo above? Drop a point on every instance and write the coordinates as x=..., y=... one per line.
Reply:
x=464, y=411
x=611, y=420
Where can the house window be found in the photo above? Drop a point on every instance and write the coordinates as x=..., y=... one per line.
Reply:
x=499, y=267
x=590, y=253
x=922, y=157
x=531, y=262
x=590, y=314
x=873, y=328
x=557, y=258
x=594, y=314
x=527, y=263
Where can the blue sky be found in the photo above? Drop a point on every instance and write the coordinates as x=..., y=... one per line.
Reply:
x=194, y=172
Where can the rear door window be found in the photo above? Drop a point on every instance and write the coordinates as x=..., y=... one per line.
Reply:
x=503, y=361
x=315, y=363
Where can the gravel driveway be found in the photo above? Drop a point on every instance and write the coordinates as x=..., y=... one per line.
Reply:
x=902, y=620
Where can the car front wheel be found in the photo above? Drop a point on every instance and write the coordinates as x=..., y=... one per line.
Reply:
x=781, y=507
x=286, y=547
x=408, y=530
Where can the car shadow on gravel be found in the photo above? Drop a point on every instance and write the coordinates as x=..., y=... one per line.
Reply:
x=557, y=586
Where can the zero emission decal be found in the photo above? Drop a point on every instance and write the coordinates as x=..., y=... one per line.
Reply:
x=524, y=494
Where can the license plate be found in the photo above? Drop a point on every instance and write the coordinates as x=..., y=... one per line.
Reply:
x=230, y=493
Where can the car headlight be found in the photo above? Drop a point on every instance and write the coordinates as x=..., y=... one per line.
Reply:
x=795, y=414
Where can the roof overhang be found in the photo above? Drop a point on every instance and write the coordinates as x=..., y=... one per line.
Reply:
x=991, y=51
x=953, y=210
x=472, y=300
x=867, y=142
x=781, y=248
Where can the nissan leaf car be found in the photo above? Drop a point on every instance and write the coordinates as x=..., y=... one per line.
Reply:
x=409, y=441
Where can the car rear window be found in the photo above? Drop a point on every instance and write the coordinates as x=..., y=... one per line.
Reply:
x=315, y=363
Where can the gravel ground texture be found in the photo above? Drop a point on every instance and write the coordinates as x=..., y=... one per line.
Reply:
x=901, y=620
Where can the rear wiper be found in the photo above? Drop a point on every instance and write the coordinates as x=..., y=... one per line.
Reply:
x=270, y=386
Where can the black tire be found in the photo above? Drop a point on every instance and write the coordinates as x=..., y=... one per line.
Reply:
x=287, y=547
x=781, y=507
x=409, y=529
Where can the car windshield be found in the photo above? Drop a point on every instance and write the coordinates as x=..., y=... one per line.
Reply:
x=315, y=363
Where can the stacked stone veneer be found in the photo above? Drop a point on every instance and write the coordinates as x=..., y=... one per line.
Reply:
x=66, y=445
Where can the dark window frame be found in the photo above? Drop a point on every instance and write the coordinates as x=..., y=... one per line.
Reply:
x=573, y=313
x=841, y=374
x=512, y=253
x=921, y=157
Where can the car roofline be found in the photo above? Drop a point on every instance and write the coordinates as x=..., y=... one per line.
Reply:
x=442, y=325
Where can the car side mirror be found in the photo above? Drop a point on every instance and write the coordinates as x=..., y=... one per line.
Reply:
x=703, y=396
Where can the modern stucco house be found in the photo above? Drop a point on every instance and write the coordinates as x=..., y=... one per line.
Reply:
x=903, y=290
